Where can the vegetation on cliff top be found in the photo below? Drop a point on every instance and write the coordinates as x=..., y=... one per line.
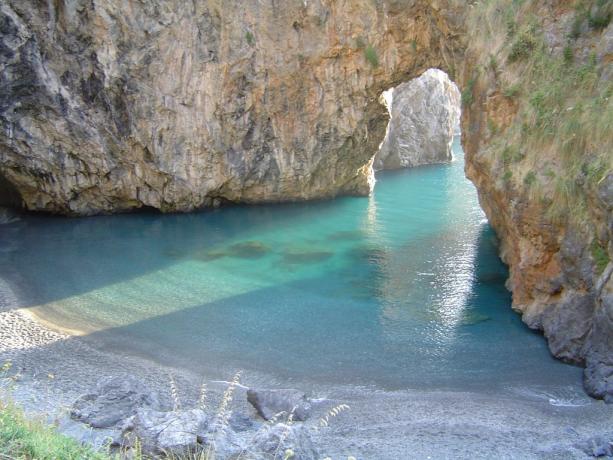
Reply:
x=559, y=144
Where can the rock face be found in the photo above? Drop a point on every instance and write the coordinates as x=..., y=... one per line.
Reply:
x=542, y=167
x=424, y=114
x=106, y=107
x=281, y=438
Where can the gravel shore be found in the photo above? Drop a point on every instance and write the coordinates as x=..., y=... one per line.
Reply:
x=50, y=370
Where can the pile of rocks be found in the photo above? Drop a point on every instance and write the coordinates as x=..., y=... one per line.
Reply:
x=134, y=415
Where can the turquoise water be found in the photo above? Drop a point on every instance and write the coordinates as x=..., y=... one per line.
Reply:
x=403, y=289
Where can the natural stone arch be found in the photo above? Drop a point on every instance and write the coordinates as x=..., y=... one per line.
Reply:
x=179, y=107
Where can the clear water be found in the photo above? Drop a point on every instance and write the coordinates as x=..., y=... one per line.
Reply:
x=400, y=290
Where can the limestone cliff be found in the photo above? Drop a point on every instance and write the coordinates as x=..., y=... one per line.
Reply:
x=424, y=114
x=538, y=132
x=110, y=105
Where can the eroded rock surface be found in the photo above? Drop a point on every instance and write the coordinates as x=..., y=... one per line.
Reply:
x=106, y=107
x=112, y=401
x=282, y=438
x=284, y=402
x=554, y=220
x=169, y=432
x=424, y=113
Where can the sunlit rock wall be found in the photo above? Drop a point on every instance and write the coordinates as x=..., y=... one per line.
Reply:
x=424, y=113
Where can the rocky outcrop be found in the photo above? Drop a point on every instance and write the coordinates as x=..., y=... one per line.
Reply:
x=107, y=107
x=541, y=162
x=166, y=432
x=112, y=401
x=140, y=423
x=424, y=113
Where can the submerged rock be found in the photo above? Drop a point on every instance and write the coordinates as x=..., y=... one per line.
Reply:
x=305, y=256
x=114, y=400
x=270, y=403
x=471, y=318
x=248, y=250
x=424, y=113
x=346, y=235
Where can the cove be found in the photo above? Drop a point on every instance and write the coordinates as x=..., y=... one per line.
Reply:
x=403, y=289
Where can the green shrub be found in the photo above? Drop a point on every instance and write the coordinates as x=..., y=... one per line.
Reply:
x=507, y=176
x=600, y=256
x=467, y=93
x=370, y=54
x=523, y=46
x=492, y=126
x=511, y=154
x=493, y=63
x=250, y=38
x=511, y=91
x=568, y=54
x=530, y=179
x=575, y=30
x=511, y=27
x=600, y=16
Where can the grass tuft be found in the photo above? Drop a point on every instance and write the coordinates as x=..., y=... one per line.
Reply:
x=24, y=439
x=370, y=53
x=600, y=256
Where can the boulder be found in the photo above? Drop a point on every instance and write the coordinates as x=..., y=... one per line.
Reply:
x=597, y=446
x=112, y=401
x=169, y=432
x=269, y=403
x=241, y=422
x=274, y=442
x=424, y=114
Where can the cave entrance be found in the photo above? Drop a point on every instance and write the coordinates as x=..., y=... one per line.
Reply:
x=9, y=195
x=424, y=117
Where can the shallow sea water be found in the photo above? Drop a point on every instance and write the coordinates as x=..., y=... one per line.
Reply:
x=403, y=289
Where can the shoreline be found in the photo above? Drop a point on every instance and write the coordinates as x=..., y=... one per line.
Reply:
x=55, y=368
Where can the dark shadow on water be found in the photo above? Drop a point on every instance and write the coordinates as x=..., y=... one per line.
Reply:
x=49, y=258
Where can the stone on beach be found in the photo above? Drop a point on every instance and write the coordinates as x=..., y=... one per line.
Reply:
x=113, y=400
x=270, y=403
x=175, y=432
